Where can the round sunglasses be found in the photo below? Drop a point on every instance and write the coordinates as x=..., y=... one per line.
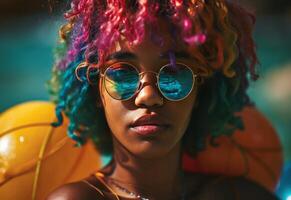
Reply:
x=122, y=80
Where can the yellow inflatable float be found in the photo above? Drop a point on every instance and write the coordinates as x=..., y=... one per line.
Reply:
x=35, y=157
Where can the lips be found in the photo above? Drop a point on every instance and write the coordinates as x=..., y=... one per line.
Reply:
x=149, y=124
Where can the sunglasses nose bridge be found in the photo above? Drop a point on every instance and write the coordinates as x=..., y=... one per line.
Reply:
x=148, y=81
x=147, y=94
x=142, y=76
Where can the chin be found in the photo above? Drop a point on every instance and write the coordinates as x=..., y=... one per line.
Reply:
x=150, y=150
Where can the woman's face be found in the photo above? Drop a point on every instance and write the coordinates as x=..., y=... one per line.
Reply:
x=147, y=125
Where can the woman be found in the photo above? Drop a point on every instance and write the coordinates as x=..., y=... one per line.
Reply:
x=148, y=81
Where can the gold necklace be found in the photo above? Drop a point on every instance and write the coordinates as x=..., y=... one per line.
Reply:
x=133, y=194
x=100, y=177
x=138, y=196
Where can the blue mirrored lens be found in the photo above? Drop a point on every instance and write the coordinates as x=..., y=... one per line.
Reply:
x=121, y=81
x=175, y=82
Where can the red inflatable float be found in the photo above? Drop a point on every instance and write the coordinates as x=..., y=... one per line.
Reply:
x=255, y=153
x=35, y=157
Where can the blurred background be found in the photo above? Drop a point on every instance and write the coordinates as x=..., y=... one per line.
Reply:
x=28, y=34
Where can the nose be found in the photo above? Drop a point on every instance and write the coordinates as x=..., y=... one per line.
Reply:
x=148, y=94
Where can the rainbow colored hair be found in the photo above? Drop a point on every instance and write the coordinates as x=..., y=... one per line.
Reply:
x=217, y=33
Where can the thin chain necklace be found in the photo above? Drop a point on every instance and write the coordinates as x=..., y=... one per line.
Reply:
x=127, y=191
x=139, y=196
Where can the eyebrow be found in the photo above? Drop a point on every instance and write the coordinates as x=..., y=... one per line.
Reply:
x=129, y=55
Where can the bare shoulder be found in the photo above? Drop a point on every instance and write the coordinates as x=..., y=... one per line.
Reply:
x=210, y=187
x=75, y=191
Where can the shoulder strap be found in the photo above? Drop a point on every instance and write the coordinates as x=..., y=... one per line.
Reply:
x=96, y=182
x=94, y=187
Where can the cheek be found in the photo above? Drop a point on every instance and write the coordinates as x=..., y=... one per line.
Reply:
x=111, y=109
x=117, y=115
x=182, y=112
x=113, y=112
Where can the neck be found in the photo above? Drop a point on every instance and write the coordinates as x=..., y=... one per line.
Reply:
x=156, y=178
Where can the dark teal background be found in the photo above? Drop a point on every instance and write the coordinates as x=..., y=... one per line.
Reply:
x=26, y=57
x=27, y=42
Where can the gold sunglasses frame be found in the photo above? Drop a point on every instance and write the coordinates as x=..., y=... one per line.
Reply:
x=140, y=84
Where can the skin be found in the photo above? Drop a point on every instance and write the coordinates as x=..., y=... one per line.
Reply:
x=151, y=166
x=138, y=159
